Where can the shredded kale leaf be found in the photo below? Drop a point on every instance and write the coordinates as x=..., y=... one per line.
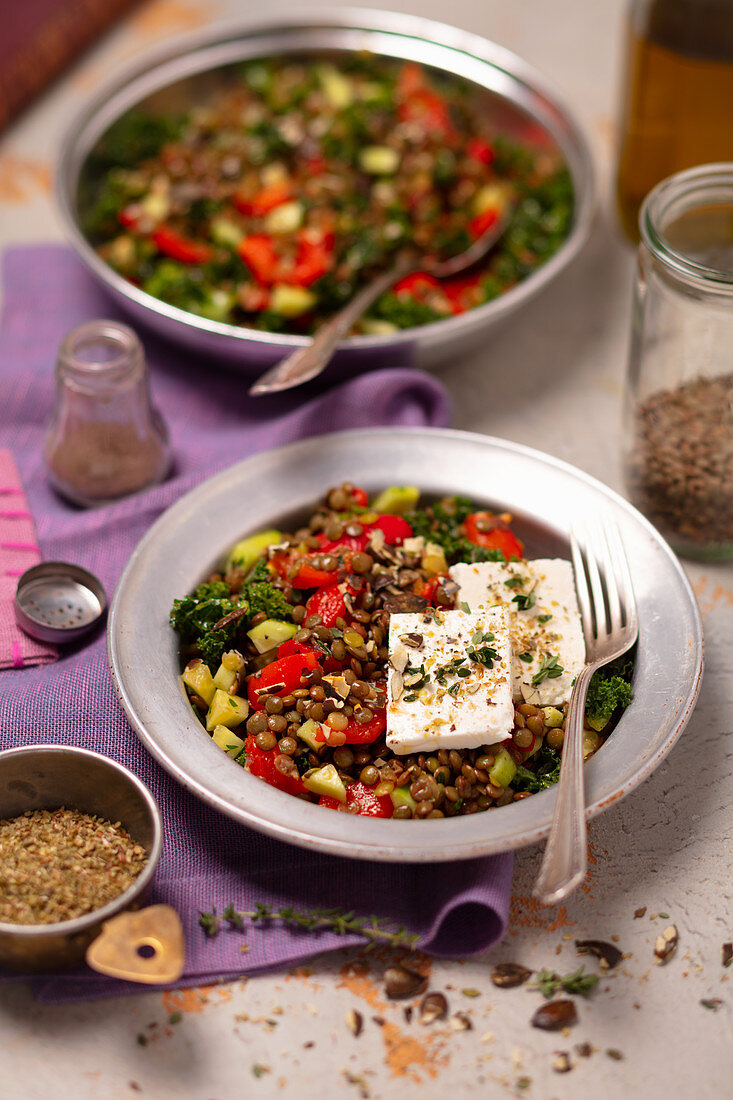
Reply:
x=263, y=596
x=194, y=617
x=544, y=773
x=133, y=138
x=442, y=523
x=609, y=689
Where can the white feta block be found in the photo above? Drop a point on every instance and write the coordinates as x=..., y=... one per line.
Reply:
x=449, y=682
x=548, y=650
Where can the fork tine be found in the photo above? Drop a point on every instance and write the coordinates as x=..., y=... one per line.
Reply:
x=611, y=574
x=627, y=589
x=596, y=586
x=581, y=586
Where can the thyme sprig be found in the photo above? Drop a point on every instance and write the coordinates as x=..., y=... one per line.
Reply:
x=549, y=983
x=335, y=920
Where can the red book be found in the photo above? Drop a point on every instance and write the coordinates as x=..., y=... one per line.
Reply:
x=40, y=37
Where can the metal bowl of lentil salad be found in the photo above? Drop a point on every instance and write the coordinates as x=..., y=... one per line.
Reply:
x=524, y=106
x=52, y=798
x=281, y=487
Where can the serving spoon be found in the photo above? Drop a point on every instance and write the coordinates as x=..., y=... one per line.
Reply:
x=308, y=362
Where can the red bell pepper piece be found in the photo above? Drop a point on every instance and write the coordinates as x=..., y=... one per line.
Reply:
x=180, y=248
x=261, y=763
x=129, y=216
x=394, y=528
x=480, y=150
x=417, y=285
x=265, y=200
x=313, y=260
x=361, y=733
x=306, y=575
x=482, y=222
x=258, y=252
x=428, y=108
x=282, y=677
x=329, y=603
x=324, y=658
x=359, y=497
x=427, y=589
x=499, y=537
x=356, y=543
x=458, y=292
x=363, y=800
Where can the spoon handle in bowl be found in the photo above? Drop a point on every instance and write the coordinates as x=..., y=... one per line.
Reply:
x=308, y=362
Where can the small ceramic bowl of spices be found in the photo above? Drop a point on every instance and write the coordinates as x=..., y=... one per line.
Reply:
x=80, y=840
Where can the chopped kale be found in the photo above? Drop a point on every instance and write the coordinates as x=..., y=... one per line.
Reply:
x=133, y=138
x=404, y=312
x=610, y=688
x=543, y=773
x=443, y=522
x=195, y=616
x=263, y=596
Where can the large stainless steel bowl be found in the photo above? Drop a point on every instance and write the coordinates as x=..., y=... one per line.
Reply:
x=183, y=69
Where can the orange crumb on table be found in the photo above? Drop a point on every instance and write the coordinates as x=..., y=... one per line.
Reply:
x=194, y=999
x=527, y=912
x=166, y=16
x=708, y=601
x=21, y=176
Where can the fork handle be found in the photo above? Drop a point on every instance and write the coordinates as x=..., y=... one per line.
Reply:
x=565, y=861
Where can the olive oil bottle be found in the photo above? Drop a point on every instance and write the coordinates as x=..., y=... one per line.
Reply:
x=677, y=108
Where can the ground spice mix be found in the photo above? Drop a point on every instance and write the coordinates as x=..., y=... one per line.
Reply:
x=56, y=865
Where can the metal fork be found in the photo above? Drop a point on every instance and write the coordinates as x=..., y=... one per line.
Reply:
x=610, y=626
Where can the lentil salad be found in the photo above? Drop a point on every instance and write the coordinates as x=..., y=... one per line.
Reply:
x=285, y=659
x=270, y=205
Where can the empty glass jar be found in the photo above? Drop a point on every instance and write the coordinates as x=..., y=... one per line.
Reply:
x=105, y=440
x=679, y=410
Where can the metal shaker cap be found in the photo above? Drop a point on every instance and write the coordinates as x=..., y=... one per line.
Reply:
x=57, y=601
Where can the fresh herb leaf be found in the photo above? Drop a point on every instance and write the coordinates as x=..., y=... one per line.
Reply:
x=550, y=668
x=526, y=657
x=524, y=600
x=578, y=982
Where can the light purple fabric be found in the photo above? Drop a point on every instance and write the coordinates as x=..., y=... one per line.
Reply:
x=209, y=861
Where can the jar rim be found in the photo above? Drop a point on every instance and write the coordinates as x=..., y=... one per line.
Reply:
x=706, y=185
x=121, y=341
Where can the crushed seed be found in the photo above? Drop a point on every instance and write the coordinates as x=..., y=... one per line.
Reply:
x=60, y=864
x=727, y=954
x=639, y=912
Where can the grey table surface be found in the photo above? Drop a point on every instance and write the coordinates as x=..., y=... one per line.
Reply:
x=554, y=380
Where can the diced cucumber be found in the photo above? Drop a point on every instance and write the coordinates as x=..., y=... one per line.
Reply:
x=285, y=218
x=291, y=301
x=226, y=710
x=307, y=732
x=337, y=88
x=271, y=633
x=375, y=326
x=554, y=718
x=379, y=160
x=591, y=742
x=492, y=196
x=433, y=559
x=396, y=499
x=228, y=741
x=225, y=232
x=326, y=781
x=156, y=206
x=503, y=770
x=226, y=675
x=197, y=676
x=401, y=797
x=245, y=553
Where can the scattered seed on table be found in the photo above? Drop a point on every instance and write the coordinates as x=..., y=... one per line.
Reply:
x=666, y=944
x=562, y=1063
x=639, y=912
x=509, y=975
x=555, y=1015
x=727, y=954
x=401, y=981
x=608, y=955
x=433, y=1007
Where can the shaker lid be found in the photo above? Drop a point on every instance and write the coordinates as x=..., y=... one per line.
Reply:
x=57, y=601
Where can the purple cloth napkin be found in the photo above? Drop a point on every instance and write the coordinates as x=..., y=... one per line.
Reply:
x=208, y=861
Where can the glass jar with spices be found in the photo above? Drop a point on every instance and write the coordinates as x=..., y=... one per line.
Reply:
x=679, y=409
x=677, y=95
x=105, y=439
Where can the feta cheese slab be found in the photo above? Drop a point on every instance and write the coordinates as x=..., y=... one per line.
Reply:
x=545, y=626
x=449, y=680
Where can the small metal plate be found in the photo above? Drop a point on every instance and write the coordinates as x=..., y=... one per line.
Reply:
x=57, y=601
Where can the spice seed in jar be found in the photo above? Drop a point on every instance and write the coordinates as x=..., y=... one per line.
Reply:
x=61, y=864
